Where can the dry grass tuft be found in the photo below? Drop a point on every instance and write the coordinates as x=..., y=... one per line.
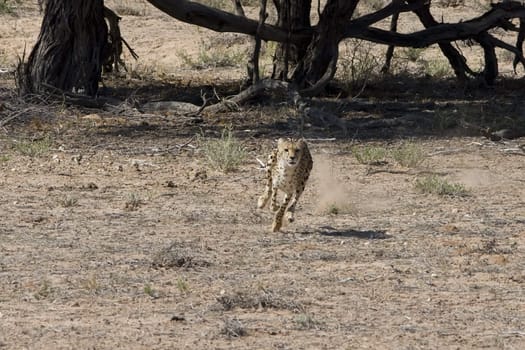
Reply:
x=225, y=153
x=307, y=321
x=34, y=148
x=233, y=328
x=408, y=155
x=266, y=300
x=180, y=255
x=133, y=202
x=214, y=56
x=436, y=185
x=370, y=155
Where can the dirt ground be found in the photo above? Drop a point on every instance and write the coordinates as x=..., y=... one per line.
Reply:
x=115, y=233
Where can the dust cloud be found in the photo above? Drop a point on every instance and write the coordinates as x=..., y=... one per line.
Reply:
x=331, y=191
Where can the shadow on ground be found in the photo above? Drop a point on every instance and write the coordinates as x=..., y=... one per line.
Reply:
x=399, y=107
x=350, y=233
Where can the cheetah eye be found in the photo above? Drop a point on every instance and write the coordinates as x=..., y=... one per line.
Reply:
x=286, y=149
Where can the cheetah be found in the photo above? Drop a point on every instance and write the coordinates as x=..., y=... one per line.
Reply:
x=288, y=169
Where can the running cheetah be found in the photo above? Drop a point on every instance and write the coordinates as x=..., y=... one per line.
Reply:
x=288, y=168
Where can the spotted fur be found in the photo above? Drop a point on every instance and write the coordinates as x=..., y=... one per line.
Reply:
x=288, y=169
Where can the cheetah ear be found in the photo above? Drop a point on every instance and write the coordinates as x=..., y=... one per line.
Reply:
x=281, y=141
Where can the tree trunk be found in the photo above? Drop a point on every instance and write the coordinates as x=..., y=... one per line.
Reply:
x=317, y=67
x=70, y=50
x=293, y=15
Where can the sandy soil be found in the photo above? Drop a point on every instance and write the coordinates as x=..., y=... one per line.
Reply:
x=116, y=234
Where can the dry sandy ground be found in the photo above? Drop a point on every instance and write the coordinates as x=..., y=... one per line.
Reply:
x=118, y=235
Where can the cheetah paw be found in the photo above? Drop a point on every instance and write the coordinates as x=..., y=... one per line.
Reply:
x=261, y=202
x=290, y=217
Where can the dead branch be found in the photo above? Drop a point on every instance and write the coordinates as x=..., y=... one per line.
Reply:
x=319, y=85
x=519, y=42
x=222, y=21
x=518, y=53
x=500, y=15
x=266, y=85
x=239, y=11
x=395, y=7
x=257, y=47
x=445, y=32
x=114, y=52
x=390, y=51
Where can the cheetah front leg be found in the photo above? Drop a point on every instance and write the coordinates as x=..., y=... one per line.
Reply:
x=273, y=204
x=263, y=199
x=268, y=190
x=278, y=219
x=291, y=209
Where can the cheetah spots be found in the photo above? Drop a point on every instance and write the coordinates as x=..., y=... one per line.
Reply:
x=288, y=170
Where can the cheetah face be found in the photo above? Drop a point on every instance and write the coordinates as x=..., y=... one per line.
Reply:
x=290, y=151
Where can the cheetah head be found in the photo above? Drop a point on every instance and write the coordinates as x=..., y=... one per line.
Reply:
x=290, y=151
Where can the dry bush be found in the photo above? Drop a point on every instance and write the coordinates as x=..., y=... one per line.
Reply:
x=180, y=254
x=306, y=321
x=358, y=65
x=437, y=68
x=212, y=55
x=409, y=155
x=226, y=153
x=370, y=155
x=8, y=6
x=133, y=202
x=265, y=299
x=436, y=185
x=126, y=8
x=413, y=54
x=34, y=148
x=233, y=328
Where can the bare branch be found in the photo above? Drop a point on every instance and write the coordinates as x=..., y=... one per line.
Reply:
x=395, y=7
x=445, y=32
x=519, y=42
x=254, y=90
x=222, y=21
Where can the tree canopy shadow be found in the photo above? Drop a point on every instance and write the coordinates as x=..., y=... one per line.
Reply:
x=393, y=107
x=389, y=108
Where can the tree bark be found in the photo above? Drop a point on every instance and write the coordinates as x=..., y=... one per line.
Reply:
x=318, y=65
x=293, y=15
x=70, y=49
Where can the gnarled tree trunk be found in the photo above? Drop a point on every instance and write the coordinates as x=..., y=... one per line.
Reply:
x=70, y=50
x=293, y=16
x=318, y=65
